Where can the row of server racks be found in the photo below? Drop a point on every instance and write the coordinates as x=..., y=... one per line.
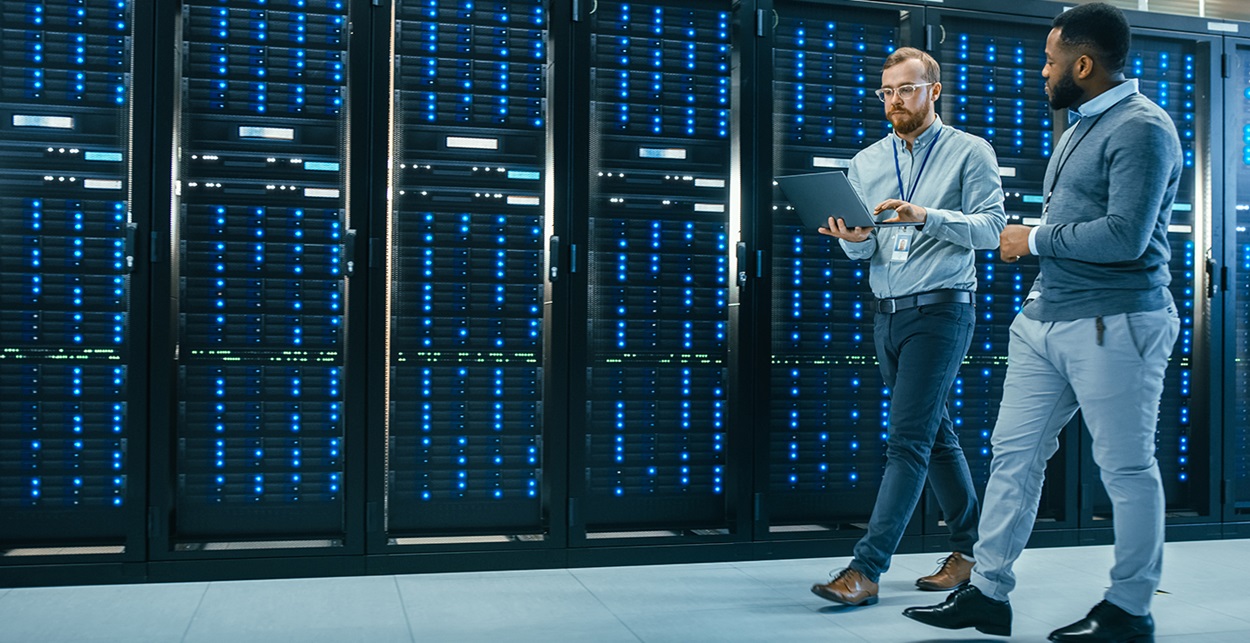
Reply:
x=349, y=286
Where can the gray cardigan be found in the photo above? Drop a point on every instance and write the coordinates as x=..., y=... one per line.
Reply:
x=1103, y=244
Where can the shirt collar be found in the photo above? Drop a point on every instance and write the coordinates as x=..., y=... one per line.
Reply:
x=925, y=137
x=1104, y=101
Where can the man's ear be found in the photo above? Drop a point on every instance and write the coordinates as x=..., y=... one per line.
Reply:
x=1084, y=67
x=936, y=91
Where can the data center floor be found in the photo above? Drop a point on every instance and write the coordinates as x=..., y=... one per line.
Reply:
x=1204, y=599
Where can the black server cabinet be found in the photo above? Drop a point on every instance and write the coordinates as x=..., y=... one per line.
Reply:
x=260, y=236
x=1235, y=218
x=468, y=322
x=652, y=368
x=827, y=412
x=1176, y=71
x=73, y=313
x=992, y=87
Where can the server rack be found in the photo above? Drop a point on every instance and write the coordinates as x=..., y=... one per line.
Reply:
x=74, y=315
x=1235, y=275
x=254, y=441
x=1177, y=71
x=827, y=411
x=470, y=393
x=993, y=88
x=651, y=432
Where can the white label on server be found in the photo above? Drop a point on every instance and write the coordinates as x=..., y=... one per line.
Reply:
x=1006, y=171
x=678, y=153
x=321, y=193
x=826, y=161
x=276, y=133
x=473, y=143
x=709, y=183
x=524, y=200
x=101, y=184
x=27, y=120
x=709, y=207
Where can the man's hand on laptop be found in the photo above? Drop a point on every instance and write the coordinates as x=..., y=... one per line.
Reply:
x=903, y=211
x=837, y=228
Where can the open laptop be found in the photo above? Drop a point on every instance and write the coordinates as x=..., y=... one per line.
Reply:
x=821, y=195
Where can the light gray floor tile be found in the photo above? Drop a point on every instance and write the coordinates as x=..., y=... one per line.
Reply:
x=540, y=605
x=123, y=613
x=634, y=591
x=749, y=625
x=1237, y=636
x=747, y=601
x=303, y=610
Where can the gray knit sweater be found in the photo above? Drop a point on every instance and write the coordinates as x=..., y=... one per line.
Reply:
x=1103, y=244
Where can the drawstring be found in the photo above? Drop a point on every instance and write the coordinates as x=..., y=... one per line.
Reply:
x=1099, y=327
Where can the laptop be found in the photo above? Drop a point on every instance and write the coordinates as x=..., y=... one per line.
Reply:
x=821, y=195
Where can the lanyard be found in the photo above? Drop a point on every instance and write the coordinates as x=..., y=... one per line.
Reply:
x=1071, y=149
x=898, y=170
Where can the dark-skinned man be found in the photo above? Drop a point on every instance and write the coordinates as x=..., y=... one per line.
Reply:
x=1095, y=334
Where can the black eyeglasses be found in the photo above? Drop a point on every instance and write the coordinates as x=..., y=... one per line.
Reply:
x=904, y=91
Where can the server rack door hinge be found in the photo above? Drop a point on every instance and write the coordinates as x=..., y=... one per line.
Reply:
x=374, y=244
x=349, y=253
x=759, y=264
x=153, y=521
x=759, y=507
x=928, y=38
x=1224, y=278
x=1213, y=284
x=759, y=23
x=572, y=257
x=572, y=513
x=553, y=258
x=132, y=230
x=1225, y=72
x=377, y=3
x=743, y=271
x=577, y=10
x=153, y=255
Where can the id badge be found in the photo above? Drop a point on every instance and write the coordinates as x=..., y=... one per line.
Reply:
x=902, y=246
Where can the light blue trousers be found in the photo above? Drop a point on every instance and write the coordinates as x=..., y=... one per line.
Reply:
x=1054, y=368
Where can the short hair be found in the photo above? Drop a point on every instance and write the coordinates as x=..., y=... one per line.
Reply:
x=932, y=73
x=1099, y=27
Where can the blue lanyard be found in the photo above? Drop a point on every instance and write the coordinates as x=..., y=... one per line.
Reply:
x=898, y=171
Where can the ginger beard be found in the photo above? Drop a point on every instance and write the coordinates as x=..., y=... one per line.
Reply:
x=906, y=121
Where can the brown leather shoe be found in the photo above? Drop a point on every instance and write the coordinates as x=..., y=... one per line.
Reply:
x=848, y=587
x=954, y=573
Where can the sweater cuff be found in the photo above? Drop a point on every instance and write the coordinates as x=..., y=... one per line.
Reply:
x=1039, y=240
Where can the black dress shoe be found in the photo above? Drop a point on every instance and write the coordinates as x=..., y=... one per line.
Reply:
x=966, y=607
x=1107, y=623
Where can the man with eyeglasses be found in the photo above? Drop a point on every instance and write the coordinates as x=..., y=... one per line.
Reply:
x=945, y=182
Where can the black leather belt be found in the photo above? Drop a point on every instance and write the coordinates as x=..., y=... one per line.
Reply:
x=895, y=304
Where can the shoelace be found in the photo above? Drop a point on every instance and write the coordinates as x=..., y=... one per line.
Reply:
x=943, y=563
x=835, y=575
x=1101, y=608
x=961, y=591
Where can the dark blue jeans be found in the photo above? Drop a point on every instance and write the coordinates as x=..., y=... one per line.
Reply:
x=919, y=351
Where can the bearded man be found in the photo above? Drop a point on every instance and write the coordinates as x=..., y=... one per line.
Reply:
x=946, y=183
x=1095, y=333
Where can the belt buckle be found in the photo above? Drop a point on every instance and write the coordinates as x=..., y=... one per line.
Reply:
x=888, y=306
